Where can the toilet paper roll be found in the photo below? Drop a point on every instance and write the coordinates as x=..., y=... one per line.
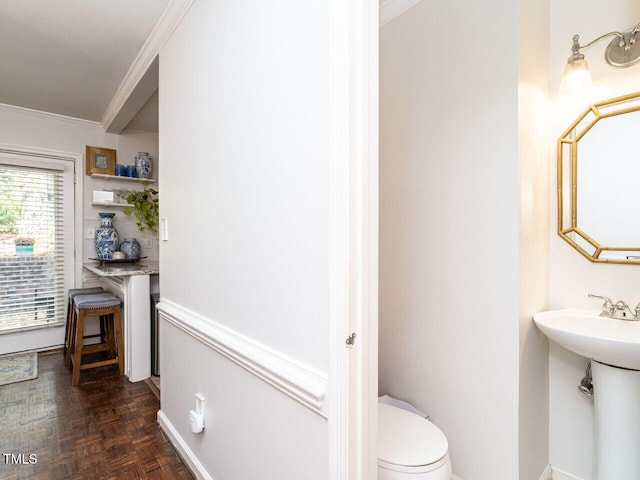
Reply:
x=196, y=421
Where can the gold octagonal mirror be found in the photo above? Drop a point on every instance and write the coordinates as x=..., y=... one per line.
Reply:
x=599, y=181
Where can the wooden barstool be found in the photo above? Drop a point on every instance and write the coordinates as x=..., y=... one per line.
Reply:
x=105, y=305
x=68, y=340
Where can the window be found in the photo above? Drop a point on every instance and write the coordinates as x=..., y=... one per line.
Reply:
x=36, y=241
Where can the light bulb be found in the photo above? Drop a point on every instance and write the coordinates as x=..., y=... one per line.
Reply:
x=576, y=76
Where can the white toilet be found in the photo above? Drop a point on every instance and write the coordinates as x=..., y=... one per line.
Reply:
x=410, y=447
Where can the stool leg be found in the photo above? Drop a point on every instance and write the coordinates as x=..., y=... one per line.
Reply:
x=104, y=325
x=110, y=336
x=72, y=336
x=77, y=350
x=67, y=332
x=119, y=342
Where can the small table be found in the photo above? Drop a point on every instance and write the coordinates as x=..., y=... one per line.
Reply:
x=130, y=282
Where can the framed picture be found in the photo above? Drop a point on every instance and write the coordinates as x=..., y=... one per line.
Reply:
x=101, y=160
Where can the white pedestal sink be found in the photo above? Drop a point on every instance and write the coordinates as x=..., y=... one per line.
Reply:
x=614, y=349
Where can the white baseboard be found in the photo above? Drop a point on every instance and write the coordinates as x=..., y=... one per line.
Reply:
x=547, y=474
x=557, y=474
x=188, y=457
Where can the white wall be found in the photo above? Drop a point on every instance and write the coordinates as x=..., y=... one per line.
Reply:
x=572, y=276
x=533, y=153
x=243, y=134
x=449, y=220
x=124, y=224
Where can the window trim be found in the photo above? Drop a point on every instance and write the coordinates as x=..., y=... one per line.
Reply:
x=25, y=153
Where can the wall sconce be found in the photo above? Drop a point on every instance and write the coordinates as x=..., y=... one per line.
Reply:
x=622, y=52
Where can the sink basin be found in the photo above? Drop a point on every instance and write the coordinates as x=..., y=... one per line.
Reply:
x=605, y=340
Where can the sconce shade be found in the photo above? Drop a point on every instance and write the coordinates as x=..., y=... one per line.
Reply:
x=576, y=76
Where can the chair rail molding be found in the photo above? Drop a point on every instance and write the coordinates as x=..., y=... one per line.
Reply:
x=301, y=382
x=557, y=474
x=390, y=9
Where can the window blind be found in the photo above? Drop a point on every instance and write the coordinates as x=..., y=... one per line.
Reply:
x=32, y=280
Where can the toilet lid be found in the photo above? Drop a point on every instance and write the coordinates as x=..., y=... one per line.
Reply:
x=408, y=440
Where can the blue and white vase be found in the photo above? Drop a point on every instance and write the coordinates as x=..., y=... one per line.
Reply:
x=130, y=247
x=143, y=165
x=106, y=237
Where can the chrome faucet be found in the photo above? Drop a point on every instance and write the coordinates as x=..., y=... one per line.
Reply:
x=619, y=310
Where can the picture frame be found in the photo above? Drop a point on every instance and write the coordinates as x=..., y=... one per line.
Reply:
x=100, y=160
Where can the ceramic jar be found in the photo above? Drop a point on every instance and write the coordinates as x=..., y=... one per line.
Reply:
x=106, y=237
x=143, y=165
x=130, y=247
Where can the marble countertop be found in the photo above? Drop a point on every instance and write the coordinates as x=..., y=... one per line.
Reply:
x=122, y=269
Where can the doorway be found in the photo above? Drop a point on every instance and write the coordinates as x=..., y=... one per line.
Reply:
x=37, y=205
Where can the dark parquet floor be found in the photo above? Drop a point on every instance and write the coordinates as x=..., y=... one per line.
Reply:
x=103, y=429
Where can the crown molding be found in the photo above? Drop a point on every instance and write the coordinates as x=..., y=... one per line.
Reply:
x=390, y=9
x=167, y=23
x=132, y=132
x=47, y=116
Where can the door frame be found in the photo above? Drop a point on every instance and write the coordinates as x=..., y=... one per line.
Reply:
x=353, y=239
x=32, y=339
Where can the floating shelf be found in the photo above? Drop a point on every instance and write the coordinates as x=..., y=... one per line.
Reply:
x=109, y=204
x=104, y=176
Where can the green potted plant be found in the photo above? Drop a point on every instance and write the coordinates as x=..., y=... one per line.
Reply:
x=24, y=246
x=144, y=205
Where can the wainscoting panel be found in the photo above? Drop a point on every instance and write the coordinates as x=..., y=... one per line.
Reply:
x=300, y=382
